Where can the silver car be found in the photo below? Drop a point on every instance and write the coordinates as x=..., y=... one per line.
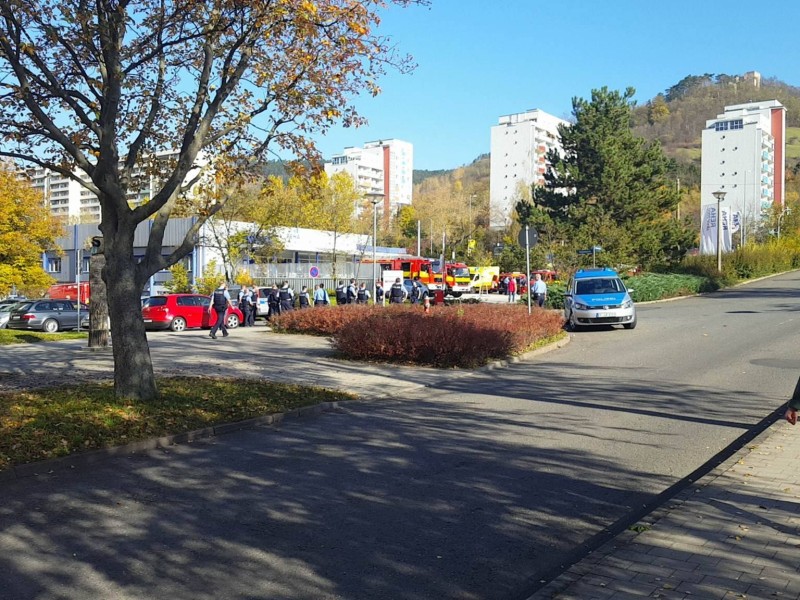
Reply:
x=5, y=312
x=46, y=315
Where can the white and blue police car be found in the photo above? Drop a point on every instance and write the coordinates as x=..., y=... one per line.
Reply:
x=597, y=296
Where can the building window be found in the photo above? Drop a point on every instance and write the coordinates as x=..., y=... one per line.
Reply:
x=53, y=264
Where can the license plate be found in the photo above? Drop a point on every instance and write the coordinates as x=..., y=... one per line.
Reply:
x=600, y=315
x=148, y=320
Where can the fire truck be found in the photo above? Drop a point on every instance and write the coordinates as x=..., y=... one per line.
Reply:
x=411, y=267
x=457, y=279
x=69, y=291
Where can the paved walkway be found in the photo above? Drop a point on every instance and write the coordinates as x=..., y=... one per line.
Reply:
x=734, y=534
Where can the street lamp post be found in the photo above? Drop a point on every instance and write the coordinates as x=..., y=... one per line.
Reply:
x=720, y=196
x=374, y=243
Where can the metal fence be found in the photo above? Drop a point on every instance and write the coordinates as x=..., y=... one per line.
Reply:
x=299, y=274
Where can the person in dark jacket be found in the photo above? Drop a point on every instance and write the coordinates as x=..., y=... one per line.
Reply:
x=244, y=305
x=303, y=298
x=220, y=303
x=286, y=296
x=352, y=292
x=362, y=295
x=397, y=293
x=274, y=302
x=341, y=294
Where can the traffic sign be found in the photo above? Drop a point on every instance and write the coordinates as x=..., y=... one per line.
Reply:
x=585, y=252
x=314, y=271
x=533, y=237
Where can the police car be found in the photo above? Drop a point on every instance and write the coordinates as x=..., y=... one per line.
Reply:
x=598, y=297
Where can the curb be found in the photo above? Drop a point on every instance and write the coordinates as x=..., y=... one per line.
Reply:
x=559, y=343
x=65, y=463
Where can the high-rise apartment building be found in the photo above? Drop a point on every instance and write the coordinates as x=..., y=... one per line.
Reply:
x=67, y=198
x=743, y=156
x=519, y=146
x=382, y=169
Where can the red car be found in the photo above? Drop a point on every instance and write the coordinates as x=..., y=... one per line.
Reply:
x=184, y=311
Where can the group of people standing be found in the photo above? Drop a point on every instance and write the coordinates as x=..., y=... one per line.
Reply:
x=352, y=293
x=538, y=289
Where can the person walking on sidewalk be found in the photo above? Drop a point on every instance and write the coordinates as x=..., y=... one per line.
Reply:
x=220, y=303
x=793, y=406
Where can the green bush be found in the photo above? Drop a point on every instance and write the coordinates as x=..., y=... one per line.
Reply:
x=656, y=286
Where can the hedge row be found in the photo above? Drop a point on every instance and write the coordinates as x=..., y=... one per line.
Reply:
x=447, y=336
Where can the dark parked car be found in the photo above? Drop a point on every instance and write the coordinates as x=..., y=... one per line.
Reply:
x=47, y=315
x=184, y=311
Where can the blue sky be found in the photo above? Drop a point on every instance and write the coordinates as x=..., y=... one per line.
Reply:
x=480, y=59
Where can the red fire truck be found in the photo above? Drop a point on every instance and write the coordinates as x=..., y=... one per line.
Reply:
x=411, y=267
x=457, y=278
x=69, y=291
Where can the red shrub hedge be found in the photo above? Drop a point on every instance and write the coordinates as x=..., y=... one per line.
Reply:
x=322, y=320
x=448, y=336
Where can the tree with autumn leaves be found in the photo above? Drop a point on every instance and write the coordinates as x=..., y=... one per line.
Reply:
x=25, y=230
x=105, y=87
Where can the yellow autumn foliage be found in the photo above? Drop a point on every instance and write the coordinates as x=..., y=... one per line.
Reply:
x=26, y=230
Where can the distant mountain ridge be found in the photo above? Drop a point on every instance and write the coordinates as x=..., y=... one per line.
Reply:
x=676, y=119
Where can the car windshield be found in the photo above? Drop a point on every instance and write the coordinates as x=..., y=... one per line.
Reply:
x=155, y=301
x=460, y=272
x=607, y=285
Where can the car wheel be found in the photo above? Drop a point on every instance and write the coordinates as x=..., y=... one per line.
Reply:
x=232, y=321
x=50, y=326
x=178, y=324
x=572, y=323
x=630, y=325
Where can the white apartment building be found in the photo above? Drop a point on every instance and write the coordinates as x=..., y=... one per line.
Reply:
x=743, y=155
x=67, y=198
x=519, y=145
x=382, y=169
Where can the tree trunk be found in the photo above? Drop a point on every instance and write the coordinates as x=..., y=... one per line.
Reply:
x=98, y=307
x=134, y=378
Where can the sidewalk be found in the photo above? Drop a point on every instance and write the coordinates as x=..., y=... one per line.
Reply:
x=733, y=534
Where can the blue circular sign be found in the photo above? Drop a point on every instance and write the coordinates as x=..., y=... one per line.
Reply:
x=314, y=271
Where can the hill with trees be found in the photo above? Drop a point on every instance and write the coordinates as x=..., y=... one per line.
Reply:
x=675, y=119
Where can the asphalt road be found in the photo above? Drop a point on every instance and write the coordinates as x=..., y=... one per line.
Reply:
x=472, y=487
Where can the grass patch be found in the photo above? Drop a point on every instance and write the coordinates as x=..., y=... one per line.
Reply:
x=19, y=336
x=52, y=422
